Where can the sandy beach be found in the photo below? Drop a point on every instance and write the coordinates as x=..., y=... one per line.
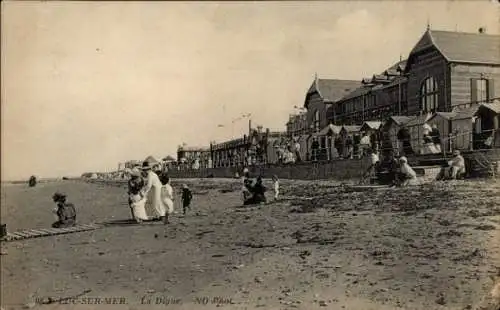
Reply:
x=432, y=247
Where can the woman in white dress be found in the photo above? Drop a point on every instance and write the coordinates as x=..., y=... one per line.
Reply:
x=136, y=200
x=154, y=186
x=408, y=175
x=429, y=147
x=167, y=196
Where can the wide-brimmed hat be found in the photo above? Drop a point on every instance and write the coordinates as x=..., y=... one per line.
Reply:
x=146, y=165
x=403, y=159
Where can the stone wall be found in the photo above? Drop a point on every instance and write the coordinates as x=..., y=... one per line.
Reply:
x=348, y=169
x=339, y=170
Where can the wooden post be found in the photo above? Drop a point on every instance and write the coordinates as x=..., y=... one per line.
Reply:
x=450, y=143
x=471, y=140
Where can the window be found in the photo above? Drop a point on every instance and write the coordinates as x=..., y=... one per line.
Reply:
x=480, y=90
x=429, y=95
x=316, y=121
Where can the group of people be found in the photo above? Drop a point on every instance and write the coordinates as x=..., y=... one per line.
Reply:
x=288, y=152
x=145, y=181
x=402, y=174
x=254, y=190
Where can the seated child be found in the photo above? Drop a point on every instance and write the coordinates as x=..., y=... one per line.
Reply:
x=65, y=212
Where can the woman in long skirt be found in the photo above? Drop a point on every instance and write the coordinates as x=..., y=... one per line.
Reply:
x=136, y=200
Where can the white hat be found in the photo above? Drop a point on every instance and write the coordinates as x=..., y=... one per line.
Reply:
x=135, y=172
x=403, y=159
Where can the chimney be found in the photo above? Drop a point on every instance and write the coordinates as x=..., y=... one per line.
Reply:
x=482, y=30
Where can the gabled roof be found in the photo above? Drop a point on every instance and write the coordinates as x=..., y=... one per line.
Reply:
x=396, y=68
x=360, y=91
x=462, y=47
x=368, y=84
x=495, y=107
x=371, y=125
x=331, y=90
x=445, y=115
x=150, y=159
x=399, y=120
x=466, y=112
x=329, y=128
x=418, y=120
x=350, y=129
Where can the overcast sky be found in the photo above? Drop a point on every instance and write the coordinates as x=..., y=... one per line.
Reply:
x=86, y=85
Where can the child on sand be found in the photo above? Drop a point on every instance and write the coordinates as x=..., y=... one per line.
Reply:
x=186, y=198
x=276, y=186
x=167, y=196
x=65, y=212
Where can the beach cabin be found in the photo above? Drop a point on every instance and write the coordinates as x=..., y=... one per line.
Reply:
x=348, y=133
x=464, y=128
x=443, y=122
x=326, y=138
x=416, y=129
x=488, y=119
x=371, y=128
x=389, y=133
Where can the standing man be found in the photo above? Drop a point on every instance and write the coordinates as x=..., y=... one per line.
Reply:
x=315, y=149
x=153, y=182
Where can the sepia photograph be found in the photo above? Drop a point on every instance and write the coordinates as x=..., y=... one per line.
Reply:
x=250, y=155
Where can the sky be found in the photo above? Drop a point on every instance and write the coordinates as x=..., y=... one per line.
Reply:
x=86, y=85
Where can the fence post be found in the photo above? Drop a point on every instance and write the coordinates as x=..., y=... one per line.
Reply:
x=450, y=143
x=471, y=141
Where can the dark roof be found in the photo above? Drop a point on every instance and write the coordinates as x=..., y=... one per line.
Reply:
x=360, y=91
x=495, y=107
x=332, y=90
x=462, y=47
x=399, y=120
x=388, y=81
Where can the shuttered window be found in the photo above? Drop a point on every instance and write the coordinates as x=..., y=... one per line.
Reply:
x=482, y=90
